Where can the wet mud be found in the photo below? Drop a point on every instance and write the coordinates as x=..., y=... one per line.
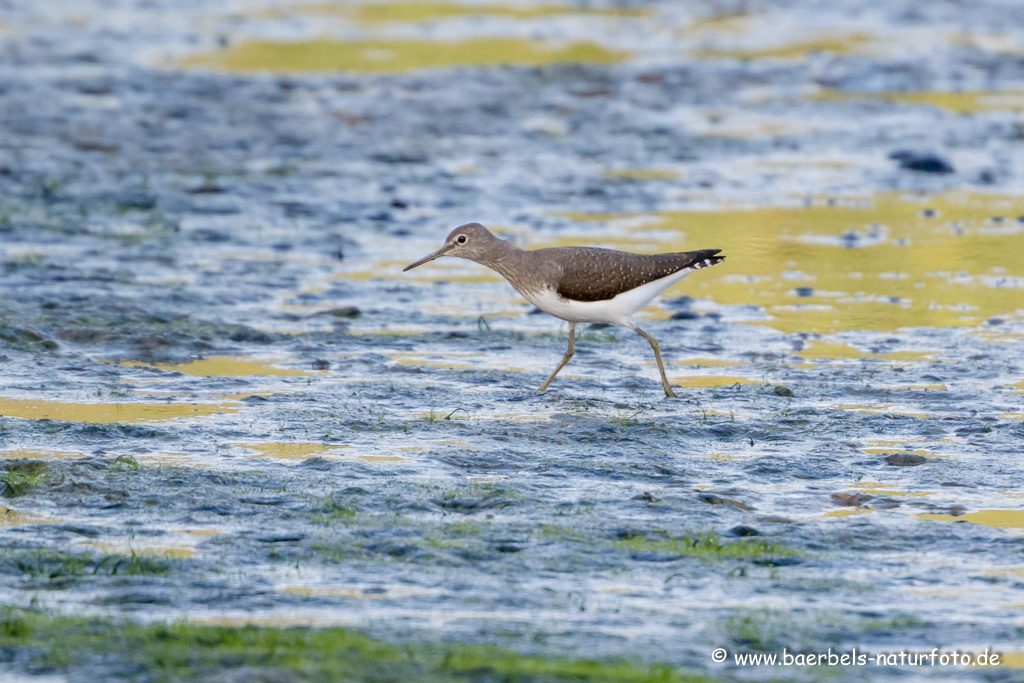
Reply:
x=222, y=402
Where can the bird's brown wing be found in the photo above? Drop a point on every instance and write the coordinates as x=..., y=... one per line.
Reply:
x=591, y=274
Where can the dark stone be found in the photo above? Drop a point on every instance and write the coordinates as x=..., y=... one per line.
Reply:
x=354, y=491
x=321, y=364
x=468, y=506
x=781, y=390
x=248, y=334
x=344, y=312
x=222, y=510
x=743, y=531
x=905, y=459
x=804, y=291
x=850, y=499
x=627, y=534
x=281, y=538
x=136, y=200
x=208, y=235
x=777, y=561
x=646, y=497
x=320, y=464
x=132, y=598
x=684, y=315
x=923, y=163
x=206, y=188
x=712, y=499
x=90, y=531
x=400, y=157
x=773, y=519
x=651, y=556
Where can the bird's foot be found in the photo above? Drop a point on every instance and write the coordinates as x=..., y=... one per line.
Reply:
x=669, y=393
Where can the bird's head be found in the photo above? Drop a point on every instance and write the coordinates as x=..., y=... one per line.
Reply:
x=470, y=241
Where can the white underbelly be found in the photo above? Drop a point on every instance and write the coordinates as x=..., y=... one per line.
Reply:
x=618, y=310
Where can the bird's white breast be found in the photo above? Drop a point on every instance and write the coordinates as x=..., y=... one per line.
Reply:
x=618, y=310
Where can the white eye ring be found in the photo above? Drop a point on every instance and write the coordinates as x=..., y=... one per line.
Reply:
x=461, y=239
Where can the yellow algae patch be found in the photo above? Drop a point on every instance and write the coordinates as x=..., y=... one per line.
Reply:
x=886, y=262
x=428, y=11
x=906, y=355
x=961, y=102
x=1001, y=519
x=137, y=547
x=452, y=360
x=1011, y=416
x=39, y=455
x=710, y=382
x=1011, y=660
x=849, y=512
x=894, y=444
x=882, y=489
x=724, y=23
x=291, y=451
x=124, y=413
x=643, y=174
x=724, y=457
x=839, y=45
x=820, y=350
x=399, y=55
x=9, y=517
x=224, y=366
x=379, y=458
x=706, y=362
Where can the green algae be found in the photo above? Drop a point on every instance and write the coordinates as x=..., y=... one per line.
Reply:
x=21, y=477
x=709, y=546
x=188, y=651
x=46, y=563
x=398, y=55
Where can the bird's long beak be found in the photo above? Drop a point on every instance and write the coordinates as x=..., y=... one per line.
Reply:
x=426, y=259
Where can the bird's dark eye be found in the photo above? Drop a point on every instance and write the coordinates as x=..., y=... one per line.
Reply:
x=461, y=239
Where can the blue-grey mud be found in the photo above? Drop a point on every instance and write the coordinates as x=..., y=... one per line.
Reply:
x=223, y=404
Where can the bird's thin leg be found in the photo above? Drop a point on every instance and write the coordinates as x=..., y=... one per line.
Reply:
x=565, y=358
x=657, y=355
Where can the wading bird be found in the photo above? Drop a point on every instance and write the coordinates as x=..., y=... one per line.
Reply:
x=579, y=284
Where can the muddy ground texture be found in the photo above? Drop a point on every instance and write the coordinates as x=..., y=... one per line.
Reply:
x=351, y=474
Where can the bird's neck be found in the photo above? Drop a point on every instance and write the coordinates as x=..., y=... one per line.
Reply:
x=510, y=262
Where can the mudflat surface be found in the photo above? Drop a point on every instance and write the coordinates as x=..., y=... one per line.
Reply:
x=222, y=400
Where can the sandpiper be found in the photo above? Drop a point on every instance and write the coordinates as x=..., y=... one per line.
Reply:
x=579, y=284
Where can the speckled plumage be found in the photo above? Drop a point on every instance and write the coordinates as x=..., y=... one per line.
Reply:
x=591, y=274
x=579, y=284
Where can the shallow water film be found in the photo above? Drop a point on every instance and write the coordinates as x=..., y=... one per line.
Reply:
x=238, y=443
